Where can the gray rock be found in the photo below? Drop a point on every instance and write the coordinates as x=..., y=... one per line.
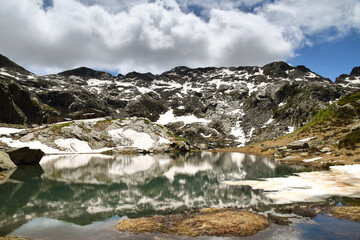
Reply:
x=5, y=162
x=290, y=158
x=297, y=145
x=23, y=156
x=355, y=127
x=304, y=154
x=325, y=150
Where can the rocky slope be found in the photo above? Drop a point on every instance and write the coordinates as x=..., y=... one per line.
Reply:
x=212, y=107
x=332, y=137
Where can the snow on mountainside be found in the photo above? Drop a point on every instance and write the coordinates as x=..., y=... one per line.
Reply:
x=212, y=107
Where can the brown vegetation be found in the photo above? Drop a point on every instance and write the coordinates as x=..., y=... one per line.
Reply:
x=214, y=222
x=346, y=212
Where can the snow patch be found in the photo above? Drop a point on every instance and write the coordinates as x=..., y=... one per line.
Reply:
x=32, y=145
x=268, y=122
x=290, y=129
x=169, y=117
x=312, y=159
x=73, y=145
x=139, y=139
x=8, y=131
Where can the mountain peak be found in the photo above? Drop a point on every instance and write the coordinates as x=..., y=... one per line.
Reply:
x=355, y=71
x=7, y=63
x=85, y=72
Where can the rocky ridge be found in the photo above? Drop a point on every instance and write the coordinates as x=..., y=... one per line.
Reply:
x=131, y=135
x=212, y=107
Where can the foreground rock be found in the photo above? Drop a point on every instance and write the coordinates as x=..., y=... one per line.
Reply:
x=5, y=162
x=211, y=222
x=25, y=155
x=346, y=212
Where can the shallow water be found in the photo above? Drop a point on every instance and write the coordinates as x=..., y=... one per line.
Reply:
x=83, y=196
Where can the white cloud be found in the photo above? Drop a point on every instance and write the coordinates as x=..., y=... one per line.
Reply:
x=156, y=36
x=323, y=19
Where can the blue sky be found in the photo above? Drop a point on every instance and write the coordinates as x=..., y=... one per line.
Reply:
x=330, y=59
x=119, y=36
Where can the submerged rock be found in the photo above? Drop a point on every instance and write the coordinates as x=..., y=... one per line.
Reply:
x=25, y=155
x=209, y=221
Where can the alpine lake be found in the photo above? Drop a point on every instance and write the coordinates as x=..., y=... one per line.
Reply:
x=85, y=196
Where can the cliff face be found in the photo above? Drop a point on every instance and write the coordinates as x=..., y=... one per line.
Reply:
x=212, y=107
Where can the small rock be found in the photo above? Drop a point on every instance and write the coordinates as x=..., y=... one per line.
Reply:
x=297, y=145
x=353, y=128
x=304, y=154
x=325, y=150
x=290, y=158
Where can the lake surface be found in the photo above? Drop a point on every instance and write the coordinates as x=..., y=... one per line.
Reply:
x=84, y=196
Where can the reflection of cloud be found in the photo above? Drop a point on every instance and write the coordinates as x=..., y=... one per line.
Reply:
x=70, y=161
x=187, y=169
x=131, y=165
x=310, y=186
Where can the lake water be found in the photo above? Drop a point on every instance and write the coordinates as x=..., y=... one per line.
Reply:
x=84, y=196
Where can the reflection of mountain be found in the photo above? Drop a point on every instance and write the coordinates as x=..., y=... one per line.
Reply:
x=85, y=188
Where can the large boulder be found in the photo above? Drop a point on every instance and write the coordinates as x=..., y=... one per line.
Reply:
x=25, y=155
x=5, y=162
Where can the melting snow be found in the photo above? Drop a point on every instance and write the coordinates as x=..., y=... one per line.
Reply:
x=8, y=131
x=73, y=145
x=282, y=104
x=310, y=186
x=306, y=139
x=97, y=82
x=31, y=145
x=290, y=129
x=268, y=122
x=169, y=117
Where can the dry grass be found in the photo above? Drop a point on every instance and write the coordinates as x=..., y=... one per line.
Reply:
x=214, y=222
x=345, y=212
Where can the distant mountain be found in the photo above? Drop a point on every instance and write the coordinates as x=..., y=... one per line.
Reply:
x=212, y=107
x=85, y=72
x=352, y=80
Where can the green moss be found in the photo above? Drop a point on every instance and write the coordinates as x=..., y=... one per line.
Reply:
x=350, y=140
x=179, y=138
x=57, y=128
x=147, y=121
x=351, y=98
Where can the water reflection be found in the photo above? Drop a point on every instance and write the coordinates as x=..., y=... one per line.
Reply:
x=84, y=188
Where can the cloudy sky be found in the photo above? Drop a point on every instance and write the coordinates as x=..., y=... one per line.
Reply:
x=48, y=36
